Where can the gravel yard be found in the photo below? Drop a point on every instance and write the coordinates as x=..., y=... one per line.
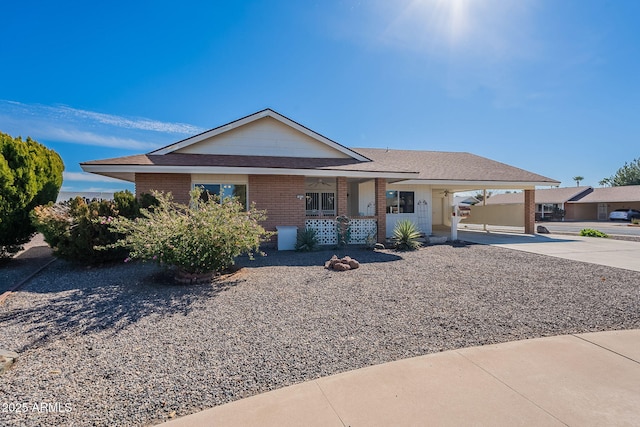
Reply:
x=121, y=345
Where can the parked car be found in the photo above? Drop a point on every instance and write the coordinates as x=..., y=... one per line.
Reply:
x=624, y=214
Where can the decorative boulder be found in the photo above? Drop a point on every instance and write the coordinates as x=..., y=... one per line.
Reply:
x=542, y=229
x=341, y=264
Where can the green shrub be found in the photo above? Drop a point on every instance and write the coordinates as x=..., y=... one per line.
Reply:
x=202, y=237
x=30, y=175
x=406, y=235
x=590, y=232
x=79, y=231
x=307, y=240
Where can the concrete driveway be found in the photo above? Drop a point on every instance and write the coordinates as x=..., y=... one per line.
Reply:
x=609, y=252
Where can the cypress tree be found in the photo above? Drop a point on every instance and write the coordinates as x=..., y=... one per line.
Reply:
x=30, y=175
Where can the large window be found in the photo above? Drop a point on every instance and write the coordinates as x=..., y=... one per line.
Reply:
x=321, y=204
x=225, y=191
x=400, y=201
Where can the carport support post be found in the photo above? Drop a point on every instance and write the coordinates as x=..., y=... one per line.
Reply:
x=381, y=209
x=529, y=211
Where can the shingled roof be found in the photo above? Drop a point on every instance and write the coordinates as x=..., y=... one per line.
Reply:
x=543, y=196
x=429, y=167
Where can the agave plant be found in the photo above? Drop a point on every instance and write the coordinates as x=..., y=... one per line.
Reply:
x=406, y=235
x=307, y=240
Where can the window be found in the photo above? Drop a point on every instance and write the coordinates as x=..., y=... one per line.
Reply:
x=320, y=204
x=400, y=201
x=225, y=191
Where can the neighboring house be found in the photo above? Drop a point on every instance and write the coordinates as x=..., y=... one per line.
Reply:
x=63, y=196
x=551, y=203
x=579, y=203
x=598, y=204
x=305, y=179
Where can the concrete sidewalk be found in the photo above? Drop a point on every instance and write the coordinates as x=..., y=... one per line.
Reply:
x=577, y=380
x=594, y=250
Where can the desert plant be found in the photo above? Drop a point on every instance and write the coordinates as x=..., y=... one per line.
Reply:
x=30, y=175
x=79, y=231
x=635, y=221
x=307, y=240
x=406, y=235
x=590, y=232
x=204, y=236
x=343, y=230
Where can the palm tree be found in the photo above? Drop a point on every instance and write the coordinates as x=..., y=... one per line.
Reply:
x=577, y=179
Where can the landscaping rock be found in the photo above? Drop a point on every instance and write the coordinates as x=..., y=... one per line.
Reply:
x=7, y=358
x=341, y=264
x=542, y=229
x=379, y=246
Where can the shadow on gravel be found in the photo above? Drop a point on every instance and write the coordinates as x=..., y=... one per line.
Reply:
x=14, y=270
x=82, y=310
x=317, y=258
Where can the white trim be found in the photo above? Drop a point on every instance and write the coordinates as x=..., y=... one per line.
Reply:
x=526, y=185
x=223, y=170
x=253, y=117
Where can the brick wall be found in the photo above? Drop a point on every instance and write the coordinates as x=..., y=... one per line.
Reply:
x=277, y=194
x=178, y=184
x=342, y=190
x=381, y=208
x=529, y=211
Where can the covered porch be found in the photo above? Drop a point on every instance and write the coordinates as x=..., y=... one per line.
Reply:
x=375, y=205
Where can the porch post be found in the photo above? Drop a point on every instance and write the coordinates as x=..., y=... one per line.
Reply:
x=381, y=209
x=529, y=211
x=341, y=190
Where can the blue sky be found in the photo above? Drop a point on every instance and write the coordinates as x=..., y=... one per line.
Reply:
x=549, y=86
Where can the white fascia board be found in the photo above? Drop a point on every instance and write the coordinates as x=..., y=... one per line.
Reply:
x=317, y=136
x=525, y=185
x=208, y=134
x=114, y=169
x=259, y=115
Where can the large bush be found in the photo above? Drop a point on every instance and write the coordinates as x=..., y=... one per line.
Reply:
x=205, y=236
x=30, y=175
x=79, y=231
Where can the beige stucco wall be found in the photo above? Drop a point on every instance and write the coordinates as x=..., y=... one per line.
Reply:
x=509, y=215
x=264, y=137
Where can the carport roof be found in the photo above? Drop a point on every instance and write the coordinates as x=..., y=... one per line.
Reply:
x=543, y=196
x=627, y=193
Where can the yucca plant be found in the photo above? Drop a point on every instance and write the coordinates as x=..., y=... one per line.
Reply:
x=307, y=240
x=406, y=235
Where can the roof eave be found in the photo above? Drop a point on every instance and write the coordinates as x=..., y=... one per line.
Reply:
x=110, y=170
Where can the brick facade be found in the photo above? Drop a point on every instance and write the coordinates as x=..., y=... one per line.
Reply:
x=381, y=208
x=529, y=211
x=341, y=195
x=278, y=195
x=179, y=184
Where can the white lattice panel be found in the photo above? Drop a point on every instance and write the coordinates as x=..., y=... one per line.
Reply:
x=327, y=235
x=361, y=228
x=325, y=229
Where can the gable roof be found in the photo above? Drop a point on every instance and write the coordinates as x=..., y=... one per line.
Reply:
x=454, y=170
x=252, y=118
x=543, y=196
x=434, y=166
x=626, y=193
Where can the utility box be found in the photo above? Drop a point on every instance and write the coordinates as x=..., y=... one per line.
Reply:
x=287, y=236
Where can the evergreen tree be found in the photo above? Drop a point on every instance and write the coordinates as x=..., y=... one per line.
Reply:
x=30, y=175
x=629, y=174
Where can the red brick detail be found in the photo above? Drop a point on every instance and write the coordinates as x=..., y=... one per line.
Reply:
x=278, y=195
x=529, y=211
x=381, y=208
x=342, y=189
x=178, y=184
